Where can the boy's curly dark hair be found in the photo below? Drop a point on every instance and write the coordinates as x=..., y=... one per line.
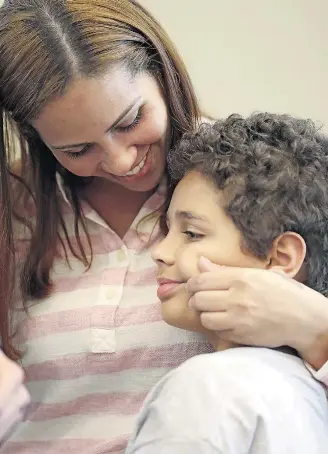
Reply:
x=273, y=170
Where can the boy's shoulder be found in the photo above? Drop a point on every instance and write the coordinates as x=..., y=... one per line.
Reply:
x=243, y=397
x=255, y=376
x=250, y=359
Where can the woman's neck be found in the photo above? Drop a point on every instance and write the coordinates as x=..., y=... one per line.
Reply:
x=116, y=205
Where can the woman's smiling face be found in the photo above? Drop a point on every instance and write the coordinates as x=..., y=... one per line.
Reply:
x=114, y=127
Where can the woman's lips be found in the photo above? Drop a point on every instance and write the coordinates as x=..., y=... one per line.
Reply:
x=142, y=173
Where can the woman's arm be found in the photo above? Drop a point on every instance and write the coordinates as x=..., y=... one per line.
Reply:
x=14, y=397
x=316, y=355
x=264, y=308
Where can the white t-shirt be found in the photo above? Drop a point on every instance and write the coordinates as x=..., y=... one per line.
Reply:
x=243, y=400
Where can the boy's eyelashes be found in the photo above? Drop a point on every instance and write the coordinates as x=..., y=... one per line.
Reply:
x=187, y=230
x=193, y=236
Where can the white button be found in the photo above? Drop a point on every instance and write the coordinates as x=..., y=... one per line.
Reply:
x=111, y=293
x=121, y=256
x=103, y=340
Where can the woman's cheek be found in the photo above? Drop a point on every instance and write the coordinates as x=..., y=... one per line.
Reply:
x=83, y=167
x=150, y=131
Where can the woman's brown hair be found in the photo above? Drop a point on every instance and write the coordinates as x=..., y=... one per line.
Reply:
x=44, y=46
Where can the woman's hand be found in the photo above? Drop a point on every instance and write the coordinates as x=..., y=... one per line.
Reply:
x=14, y=397
x=260, y=307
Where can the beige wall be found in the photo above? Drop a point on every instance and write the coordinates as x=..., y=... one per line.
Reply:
x=246, y=55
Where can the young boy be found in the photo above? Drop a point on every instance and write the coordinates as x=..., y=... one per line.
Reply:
x=252, y=193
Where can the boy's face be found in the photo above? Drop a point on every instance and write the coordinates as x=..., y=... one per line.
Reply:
x=197, y=226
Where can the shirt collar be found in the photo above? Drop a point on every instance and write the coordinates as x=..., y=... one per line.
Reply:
x=61, y=187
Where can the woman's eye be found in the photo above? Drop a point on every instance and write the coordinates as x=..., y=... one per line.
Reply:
x=192, y=235
x=78, y=154
x=121, y=128
x=132, y=124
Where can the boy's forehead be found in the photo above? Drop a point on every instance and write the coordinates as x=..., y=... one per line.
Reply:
x=195, y=193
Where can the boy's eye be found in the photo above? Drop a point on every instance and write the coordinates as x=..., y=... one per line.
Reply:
x=192, y=235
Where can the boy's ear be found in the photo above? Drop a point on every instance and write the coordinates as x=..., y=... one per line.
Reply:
x=288, y=253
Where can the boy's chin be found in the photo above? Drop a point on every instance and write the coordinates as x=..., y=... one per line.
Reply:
x=185, y=324
x=175, y=312
x=217, y=343
x=179, y=315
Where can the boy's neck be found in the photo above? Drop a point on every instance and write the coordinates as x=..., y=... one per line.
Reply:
x=220, y=344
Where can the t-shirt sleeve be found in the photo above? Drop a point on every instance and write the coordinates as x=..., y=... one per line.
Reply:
x=196, y=409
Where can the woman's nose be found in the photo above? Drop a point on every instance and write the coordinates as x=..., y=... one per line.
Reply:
x=118, y=157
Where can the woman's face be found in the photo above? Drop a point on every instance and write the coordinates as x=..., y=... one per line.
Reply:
x=114, y=127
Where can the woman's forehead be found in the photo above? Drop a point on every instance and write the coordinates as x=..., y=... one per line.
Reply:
x=90, y=104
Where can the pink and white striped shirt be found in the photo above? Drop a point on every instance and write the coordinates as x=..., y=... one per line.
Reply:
x=97, y=345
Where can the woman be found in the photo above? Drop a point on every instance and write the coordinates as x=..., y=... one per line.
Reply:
x=98, y=94
x=13, y=394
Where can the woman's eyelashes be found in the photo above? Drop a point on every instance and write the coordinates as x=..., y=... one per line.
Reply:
x=132, y=124
x=120, y=129
x=78, y=154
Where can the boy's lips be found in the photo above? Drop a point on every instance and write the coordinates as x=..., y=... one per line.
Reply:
x=167, y=287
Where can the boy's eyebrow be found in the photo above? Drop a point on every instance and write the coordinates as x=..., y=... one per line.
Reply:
x=190, y=216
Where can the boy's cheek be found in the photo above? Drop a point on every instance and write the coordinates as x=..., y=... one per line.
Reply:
x=188, y=265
